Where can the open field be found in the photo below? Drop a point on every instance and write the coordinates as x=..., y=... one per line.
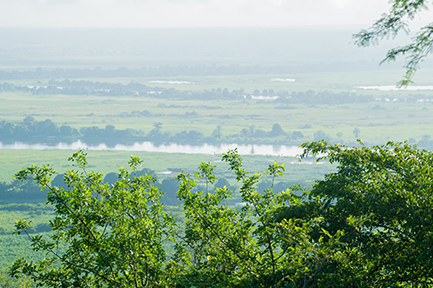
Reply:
x=378, y=121
x=14, y=246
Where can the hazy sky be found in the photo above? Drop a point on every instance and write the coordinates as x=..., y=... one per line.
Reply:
x=187, y=13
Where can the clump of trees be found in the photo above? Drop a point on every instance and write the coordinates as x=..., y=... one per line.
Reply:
x=366, y=225
x=16, y=191
x=32, y=130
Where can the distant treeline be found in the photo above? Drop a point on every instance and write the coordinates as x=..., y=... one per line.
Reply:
x=17, y=191
x=426, y=142
x=159, y=71
x=28, y=192
x=82, y=87
x=32, y=131
x=67, y=87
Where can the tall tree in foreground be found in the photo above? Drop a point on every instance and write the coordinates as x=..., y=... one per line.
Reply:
x=103, y=235
x=392, y=23
x=369, y=224
x=248, y=246
x=382, y=197
x=114, y=235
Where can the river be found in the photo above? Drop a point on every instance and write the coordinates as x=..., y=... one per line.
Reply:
x=243, y=149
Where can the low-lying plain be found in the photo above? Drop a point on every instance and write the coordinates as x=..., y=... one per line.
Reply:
x=377, y=121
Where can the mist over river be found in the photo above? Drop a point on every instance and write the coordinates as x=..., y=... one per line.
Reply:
x=243, y=149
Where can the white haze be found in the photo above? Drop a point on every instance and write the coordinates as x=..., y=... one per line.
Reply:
x=188, y=13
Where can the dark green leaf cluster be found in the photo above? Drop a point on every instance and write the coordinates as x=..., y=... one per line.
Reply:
x=382, y=198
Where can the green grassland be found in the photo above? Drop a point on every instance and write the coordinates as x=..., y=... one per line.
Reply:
x=378, y=121
x=14, y=246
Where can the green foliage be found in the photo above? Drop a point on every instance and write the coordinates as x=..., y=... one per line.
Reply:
x=391, y=24
x=114, y=236
x=7, y=281
x=369, y=224
x=247, y=247
x=381, y=198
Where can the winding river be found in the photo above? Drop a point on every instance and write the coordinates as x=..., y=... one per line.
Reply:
x=243, y=149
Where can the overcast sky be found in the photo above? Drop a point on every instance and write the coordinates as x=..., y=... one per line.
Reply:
x=188, y=13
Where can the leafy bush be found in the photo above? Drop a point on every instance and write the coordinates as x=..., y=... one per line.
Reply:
x=367, y=225
x=114, y=235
